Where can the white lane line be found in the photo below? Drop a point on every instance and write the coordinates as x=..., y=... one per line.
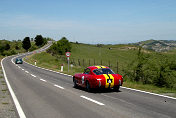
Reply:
x=16, y=102
x=59, y=86
x=48, y=69
x=26, y=71
x=148, y=93
x=33, y=75
x=12, y=60
x=19, y=67
x=22, y=69
x=69, y=75
x=92, y=100
x=43, y=80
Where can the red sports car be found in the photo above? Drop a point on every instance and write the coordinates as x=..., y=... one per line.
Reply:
x=98, y=77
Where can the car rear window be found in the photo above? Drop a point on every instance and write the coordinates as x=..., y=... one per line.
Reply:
x=19, y=59
x=103, y=71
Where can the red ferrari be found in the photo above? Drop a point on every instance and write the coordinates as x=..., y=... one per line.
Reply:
x=98, y=77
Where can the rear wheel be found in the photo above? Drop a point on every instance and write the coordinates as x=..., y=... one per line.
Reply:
x=74, y=83
x=116, y=88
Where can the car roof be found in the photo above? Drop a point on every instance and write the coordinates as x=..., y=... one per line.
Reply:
x=96, y=67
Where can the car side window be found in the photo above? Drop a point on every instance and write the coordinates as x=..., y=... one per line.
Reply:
x=87, y=71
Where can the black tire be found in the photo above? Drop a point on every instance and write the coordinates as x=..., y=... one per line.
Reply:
x=88, y=86
x=116, y=88
x=74, y=83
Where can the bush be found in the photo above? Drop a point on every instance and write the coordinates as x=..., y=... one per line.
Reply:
x=155, y=69
x=60, y=47
x=33, y=47
x=7, y=46
x=4, y=46
x=12, y=52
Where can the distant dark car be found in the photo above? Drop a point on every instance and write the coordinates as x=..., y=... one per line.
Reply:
x=19, y=61
x=98, y=77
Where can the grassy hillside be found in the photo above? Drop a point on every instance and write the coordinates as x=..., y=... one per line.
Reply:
x=125, y=55
x=89, y=55
x=158, y=45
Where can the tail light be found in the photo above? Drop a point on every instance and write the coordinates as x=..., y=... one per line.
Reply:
x=121, y=81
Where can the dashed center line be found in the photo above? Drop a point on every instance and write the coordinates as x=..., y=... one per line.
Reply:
x=59, y=86
x=33, y=75
x=92, y=100
x=22, y=69
x=43, y=80
x=26, y=71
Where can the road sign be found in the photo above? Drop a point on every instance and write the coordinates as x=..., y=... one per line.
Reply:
x=68, y=54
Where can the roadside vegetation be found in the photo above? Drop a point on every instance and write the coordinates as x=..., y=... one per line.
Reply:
x=8, y=48
x=141, y=69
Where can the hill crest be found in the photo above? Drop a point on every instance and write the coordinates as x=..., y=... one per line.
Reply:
x=158, y=45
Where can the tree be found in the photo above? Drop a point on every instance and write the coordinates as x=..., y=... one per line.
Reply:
x=164, y=75
x=4, y=46
x=17, y=47
x=45, y=41
x=7, y=46
x=63, y=46
x=137, y=68
x=26, y=43
x=39, y=40
x=60, y=47
x=1, y=48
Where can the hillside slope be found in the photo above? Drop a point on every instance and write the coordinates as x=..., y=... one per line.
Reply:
x=158, y=45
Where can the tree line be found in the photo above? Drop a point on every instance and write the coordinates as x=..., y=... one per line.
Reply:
x=5, y=48
x=39, y=41
x=17, y=46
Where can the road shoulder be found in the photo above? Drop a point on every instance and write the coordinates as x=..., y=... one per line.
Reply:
x=7, y=108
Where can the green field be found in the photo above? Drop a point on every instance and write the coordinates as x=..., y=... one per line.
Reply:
x=88, y=55
x=83, y=55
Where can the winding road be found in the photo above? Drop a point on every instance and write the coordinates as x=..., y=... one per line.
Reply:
x=40, y=93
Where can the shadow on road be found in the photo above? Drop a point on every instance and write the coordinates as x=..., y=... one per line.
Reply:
x=96, y=91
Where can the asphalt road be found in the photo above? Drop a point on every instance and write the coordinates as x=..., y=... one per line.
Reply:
x=46, y=94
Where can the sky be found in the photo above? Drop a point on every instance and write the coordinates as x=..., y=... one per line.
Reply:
x=89, y=21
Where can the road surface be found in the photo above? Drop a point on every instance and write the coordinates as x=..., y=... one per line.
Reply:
x=46, y=94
